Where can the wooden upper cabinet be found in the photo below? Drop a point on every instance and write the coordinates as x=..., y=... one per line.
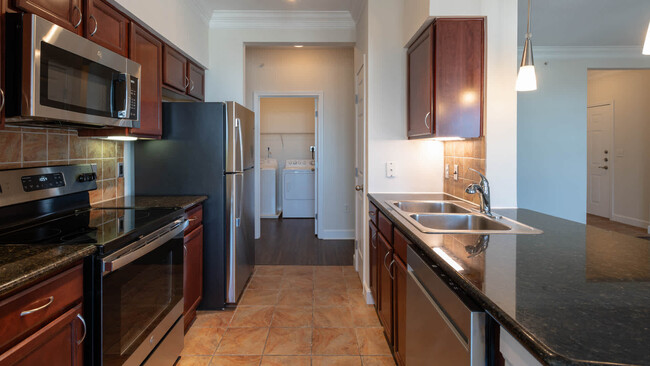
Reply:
x=446, y=73
x=146, y=50
x=106, y=26
x=65, y=13
x=175, y=70
x=196, y=75
x=420, y=86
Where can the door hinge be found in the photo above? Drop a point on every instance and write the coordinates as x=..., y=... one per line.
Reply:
x=316, y=113
x=316, y=216
x=356, y=99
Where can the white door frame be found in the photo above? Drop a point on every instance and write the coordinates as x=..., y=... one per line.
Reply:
x=320, y=147
x=612, y=155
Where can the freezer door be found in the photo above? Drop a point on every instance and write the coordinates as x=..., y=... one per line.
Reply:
x=241, y=248
x=240, y=141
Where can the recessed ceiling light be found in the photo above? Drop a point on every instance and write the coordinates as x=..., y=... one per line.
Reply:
x=298, y=45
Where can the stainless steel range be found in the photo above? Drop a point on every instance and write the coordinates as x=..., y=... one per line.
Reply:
x=133, y=296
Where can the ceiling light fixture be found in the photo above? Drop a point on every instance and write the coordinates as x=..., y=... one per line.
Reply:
x=527, y=80
x=646, y=45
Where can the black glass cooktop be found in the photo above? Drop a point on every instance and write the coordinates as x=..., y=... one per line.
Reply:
x=109, y=229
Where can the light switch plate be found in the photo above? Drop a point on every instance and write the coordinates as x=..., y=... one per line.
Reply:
x=390, y=169
x=446, y=171
x=455, y=171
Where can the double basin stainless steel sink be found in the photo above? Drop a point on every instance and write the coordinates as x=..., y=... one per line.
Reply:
x=456, y=217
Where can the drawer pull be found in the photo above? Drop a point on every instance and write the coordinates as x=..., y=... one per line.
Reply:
x=84, y=324
x=49, y=302
x=192, y=219
x=390, y=273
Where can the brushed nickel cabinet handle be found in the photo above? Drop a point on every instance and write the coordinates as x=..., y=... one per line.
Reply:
x=96, y=25
x=2, y=94
x=187, y=82
x=84, y=324
x=425, y=120
x=374, y=237
x=390, y=273
x=31, y=311
x=386, y=256
x=191, y=84
x=80, y=16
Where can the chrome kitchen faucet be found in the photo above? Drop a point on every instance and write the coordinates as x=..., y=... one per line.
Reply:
x=483, y=187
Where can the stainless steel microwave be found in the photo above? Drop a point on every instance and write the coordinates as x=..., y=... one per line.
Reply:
x=57, y=78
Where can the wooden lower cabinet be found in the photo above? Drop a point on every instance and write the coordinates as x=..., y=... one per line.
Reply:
x=385, y=286
x=399, y=310
x=372, y=262
x=193, y=265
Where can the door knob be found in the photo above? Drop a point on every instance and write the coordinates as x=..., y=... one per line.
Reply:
x=358, y=188
x=606, y=152
x=604, y=167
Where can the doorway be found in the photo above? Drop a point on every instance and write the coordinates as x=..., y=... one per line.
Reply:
x=600, y=129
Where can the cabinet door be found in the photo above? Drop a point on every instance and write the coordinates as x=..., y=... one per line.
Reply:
x=197, y=81
x=458, y=79
x=385, y=286
x=2, y=64
x=372, y=262
x=193, y=276
x=399, y=310
x=65, y=13
x=106, y=26
x=420, y=86
x=146, y=50
x=175, y=70
x=57, y=343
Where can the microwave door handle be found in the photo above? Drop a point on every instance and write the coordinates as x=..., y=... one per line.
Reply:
x=122, y=112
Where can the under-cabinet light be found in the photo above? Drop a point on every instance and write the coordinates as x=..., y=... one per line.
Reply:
x=121, y=138
x=448, y=259
x=646, y=45
x=448, y=139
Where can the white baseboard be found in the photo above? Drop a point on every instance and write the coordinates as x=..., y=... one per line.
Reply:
x=337, y=235
x=631, y=221
x=358, y=261
x=368, y=294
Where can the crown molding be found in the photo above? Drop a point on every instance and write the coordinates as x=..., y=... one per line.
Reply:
x=601, y=52
x=235, y=19
x=201, y=10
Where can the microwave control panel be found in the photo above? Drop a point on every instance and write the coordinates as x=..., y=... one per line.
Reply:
x=43, y=181
x=133, y=98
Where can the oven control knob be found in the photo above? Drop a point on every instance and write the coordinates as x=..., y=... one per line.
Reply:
x=82, y=178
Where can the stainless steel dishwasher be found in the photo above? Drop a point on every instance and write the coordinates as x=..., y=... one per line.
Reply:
x=443, y=325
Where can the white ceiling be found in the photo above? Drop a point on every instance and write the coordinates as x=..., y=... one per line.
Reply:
x=353, y=6
x=588, y=23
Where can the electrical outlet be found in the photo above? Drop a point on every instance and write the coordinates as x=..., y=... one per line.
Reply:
x=455, y=171
x=120, y=170
x=446, y=171
x=390, y=169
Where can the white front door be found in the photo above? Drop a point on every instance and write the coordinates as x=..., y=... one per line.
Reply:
x=360, y=176
x=600, y=127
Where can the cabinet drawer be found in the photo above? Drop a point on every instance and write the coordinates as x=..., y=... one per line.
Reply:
x=400, y=243
x=385, y=227
x=372, y=212
x=195, y=215
x=22, y=313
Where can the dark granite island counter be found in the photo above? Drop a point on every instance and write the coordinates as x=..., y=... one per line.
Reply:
x=573, y=295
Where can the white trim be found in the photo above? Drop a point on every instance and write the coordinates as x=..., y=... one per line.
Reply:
x=336, y=234
x=630, y=221
x=275, y=19
x=626, y=52
x=320, y=148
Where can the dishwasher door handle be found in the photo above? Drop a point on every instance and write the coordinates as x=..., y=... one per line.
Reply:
x=463, y=341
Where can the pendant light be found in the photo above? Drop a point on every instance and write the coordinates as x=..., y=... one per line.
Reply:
x=646, y=45
x=526, y=80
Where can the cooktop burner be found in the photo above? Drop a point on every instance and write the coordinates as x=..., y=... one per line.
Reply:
x=92, y=226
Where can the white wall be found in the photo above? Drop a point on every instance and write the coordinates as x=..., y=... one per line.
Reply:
x=180, y=22
x=630, y=92
x=418, y=163
x=552, y=128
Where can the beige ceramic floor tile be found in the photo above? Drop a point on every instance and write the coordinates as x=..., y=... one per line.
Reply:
x=243, y=341
x=269, y=270
x=265, y=283
x=330, y=283
x=194, y=361
x=332, y=317
x=213, y=318
x=298, y=282
x=286, y=361
x=288, y=341
x=334, y=341
x=364, y=316
x=378, y=361
x=328, y=270
x=336, y=361
x=202, y=341
x=252, y=316
x=259, y=297
x=356, y=297
x=299, y=270
x=330, y=298
x=296, y=297
x=293, y=317
x=372, y=341
x=235, y=361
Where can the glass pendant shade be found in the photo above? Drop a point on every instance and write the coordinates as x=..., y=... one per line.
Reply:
x=526, y=79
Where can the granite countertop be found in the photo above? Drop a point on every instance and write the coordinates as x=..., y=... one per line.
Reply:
x=183, y=202
x=573, y=295
x=22, y=264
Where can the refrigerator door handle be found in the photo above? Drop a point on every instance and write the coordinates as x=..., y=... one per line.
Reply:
x=241, y=181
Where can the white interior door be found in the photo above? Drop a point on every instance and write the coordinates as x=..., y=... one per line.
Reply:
x=600, y=127
x=360, y=173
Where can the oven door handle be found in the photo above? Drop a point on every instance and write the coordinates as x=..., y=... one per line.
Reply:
x=145, y=246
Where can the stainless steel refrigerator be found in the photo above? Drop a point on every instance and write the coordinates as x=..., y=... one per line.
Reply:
x=208, y=149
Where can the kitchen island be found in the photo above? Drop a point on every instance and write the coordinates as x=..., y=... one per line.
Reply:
x=573, y=295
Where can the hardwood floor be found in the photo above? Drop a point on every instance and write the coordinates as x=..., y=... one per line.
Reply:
x=607, y=224
x=292, y=242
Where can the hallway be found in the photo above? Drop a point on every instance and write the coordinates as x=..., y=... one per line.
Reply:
x=292, y=315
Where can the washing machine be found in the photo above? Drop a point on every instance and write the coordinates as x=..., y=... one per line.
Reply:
x=298, y=194
x=269, y=189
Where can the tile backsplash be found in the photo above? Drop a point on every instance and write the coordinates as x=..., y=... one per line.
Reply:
x=467, y=154
x=33, y=147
